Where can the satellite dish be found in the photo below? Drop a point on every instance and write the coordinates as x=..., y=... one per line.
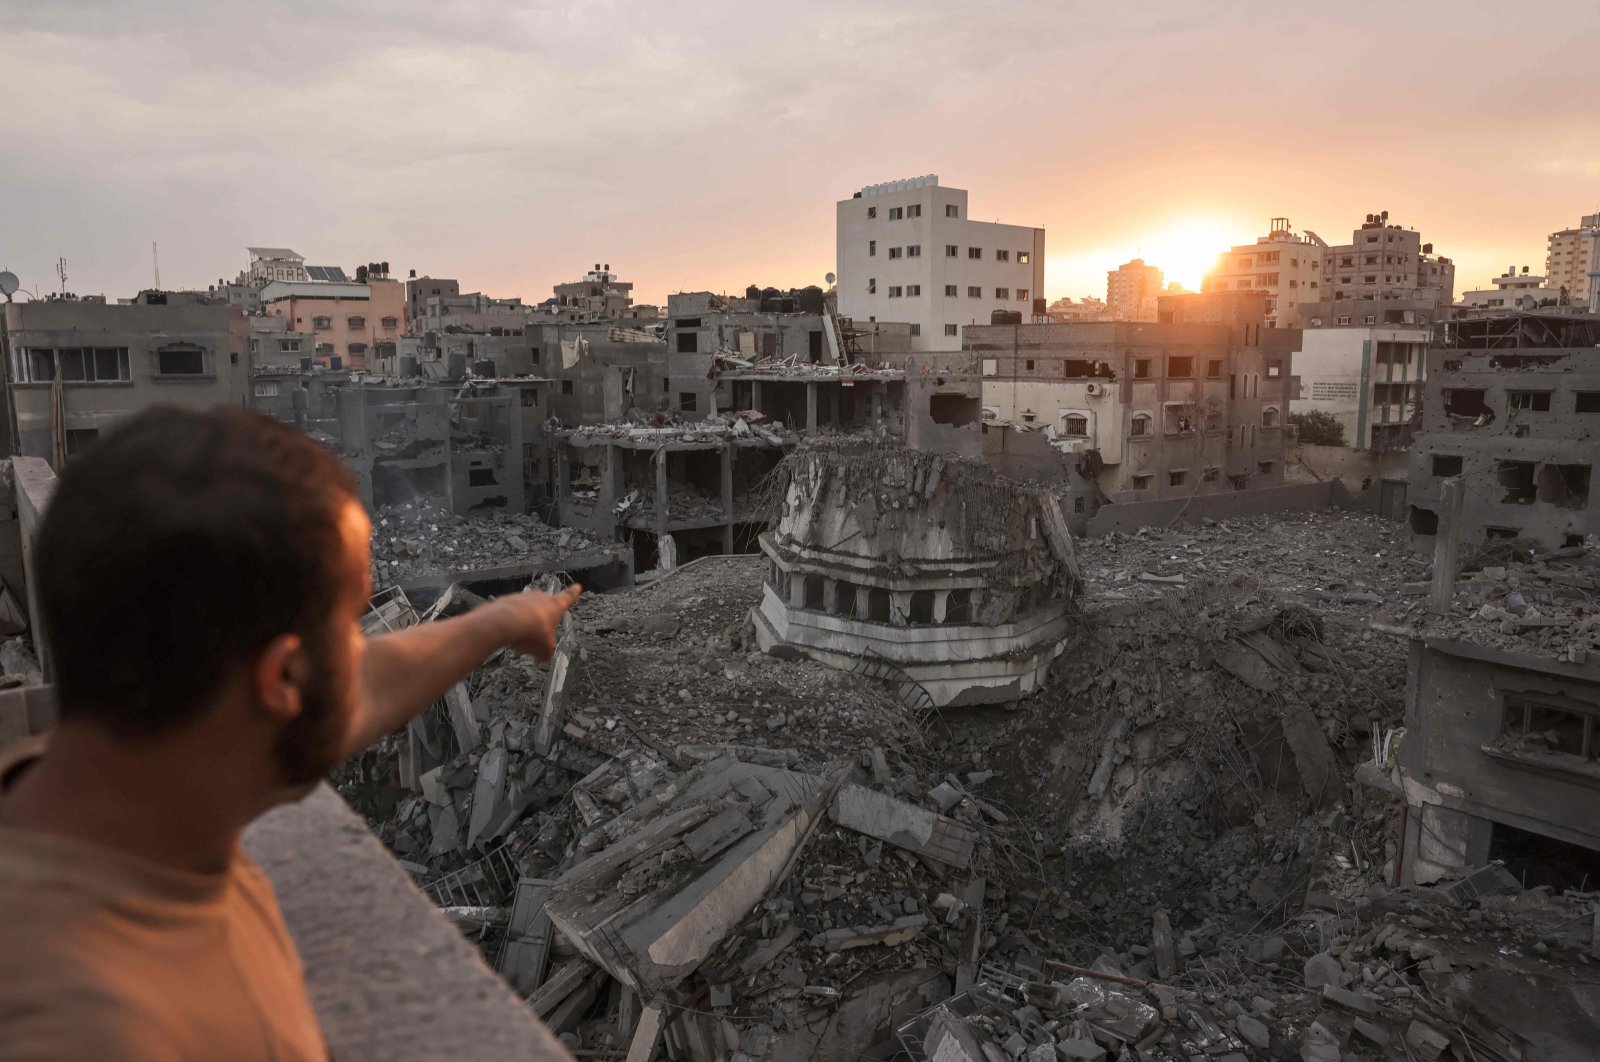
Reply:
x=1528, y=302
x=9, y=283
x=830, y=278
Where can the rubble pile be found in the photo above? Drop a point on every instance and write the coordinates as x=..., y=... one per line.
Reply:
x=420, y=538
x=674, y=846
x=1337, y=561
x=1545, y=604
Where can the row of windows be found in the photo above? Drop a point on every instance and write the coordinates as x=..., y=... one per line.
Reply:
x=106, y=364
x=913, y=211
x=951, y=250
x=323, y=323
x=1177, y=477
x=974, y=291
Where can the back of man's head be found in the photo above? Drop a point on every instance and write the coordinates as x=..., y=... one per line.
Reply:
x=174, y=549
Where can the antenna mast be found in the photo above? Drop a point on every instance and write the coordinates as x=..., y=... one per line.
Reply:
x=61, y=271
x=155, y=257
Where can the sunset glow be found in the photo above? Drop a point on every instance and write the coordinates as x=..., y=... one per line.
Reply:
x=1186, y=247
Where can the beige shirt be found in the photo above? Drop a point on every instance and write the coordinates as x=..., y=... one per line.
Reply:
x=106, y=956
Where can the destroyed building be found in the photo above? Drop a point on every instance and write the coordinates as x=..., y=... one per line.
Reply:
x=1195, y=404
x=1512, y=408
x=953, y=577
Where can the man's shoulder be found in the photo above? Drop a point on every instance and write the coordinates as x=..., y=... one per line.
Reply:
x=60, y=1008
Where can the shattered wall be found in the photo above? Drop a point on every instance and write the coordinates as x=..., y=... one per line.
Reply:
x=962, y=580
x=1519, y=422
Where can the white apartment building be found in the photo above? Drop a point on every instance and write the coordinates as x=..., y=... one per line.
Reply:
x=1384, y=262
x=1283, y=265
x=274, y=263
x=1573, y=255
x=1131, y=291
x=1509, y=290
x=909, y=252
x=1369, y=376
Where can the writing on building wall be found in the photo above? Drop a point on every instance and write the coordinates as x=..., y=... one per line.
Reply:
x=1332, y=391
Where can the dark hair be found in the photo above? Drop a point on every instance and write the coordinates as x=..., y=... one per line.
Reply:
x=173, y=549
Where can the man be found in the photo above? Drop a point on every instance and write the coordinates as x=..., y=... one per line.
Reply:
x=202, y=578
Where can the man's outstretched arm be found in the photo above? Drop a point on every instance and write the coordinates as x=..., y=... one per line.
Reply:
x=405, y=671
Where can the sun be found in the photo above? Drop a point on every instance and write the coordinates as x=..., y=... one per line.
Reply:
x=1185, y=248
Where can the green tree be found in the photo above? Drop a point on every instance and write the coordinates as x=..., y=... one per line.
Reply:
x=1318, y=428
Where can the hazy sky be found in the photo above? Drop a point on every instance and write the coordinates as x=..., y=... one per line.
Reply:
x=703, y=145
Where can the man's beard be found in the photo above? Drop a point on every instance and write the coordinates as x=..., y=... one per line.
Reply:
x=313, y=743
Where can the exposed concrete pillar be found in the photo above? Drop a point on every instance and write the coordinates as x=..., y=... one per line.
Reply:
x=833, y=404
x=797, y=590
x=876, y=402
x=563, y=498
x=1440, y=841
x=941, y=602
x=663, y=501
x=610, y=490
x=811, y=406
x=727, y=480
x=900, y=608
x=860, y=606
x=830, y=596
x=755, y=395
x=727, y=540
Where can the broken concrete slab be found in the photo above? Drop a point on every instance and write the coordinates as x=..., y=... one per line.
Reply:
x=904, y=825
x=895, y=933
x=488, y=794
x=677, y=913
x=646, y=1035
x=553, y=712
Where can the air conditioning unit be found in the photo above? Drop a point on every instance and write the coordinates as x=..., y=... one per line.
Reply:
x=1094, y=390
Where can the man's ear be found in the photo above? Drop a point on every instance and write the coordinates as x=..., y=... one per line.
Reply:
x=279, y=676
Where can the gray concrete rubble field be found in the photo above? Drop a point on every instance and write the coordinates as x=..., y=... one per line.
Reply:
x=678, y=845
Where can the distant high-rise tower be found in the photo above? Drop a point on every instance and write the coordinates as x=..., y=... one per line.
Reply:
x=1131, y=291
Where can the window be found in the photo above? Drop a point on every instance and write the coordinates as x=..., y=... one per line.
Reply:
x=1142, y=482
x=1077, y=504
x=1274, y=370
x=288, y=346
x=1181, y=368
x=1370, y=318
x=1176, y=477
x=357, y=348
x=566, y=386
x=1264, y=467
x=1002, y=293
x=1214, y=370
x=686, y=403
x=1141, y=425
x=916, y=329
x=974, y=252
x=914, y=251
x=1213, y=421
x=872, y=248
x=896, y=213
x=895, y=252
x=872, y=212
x=1178, y=418
x=1370, y=259
x=1586, y=402
x=1549, y=726
x=324, y=348
x=1075, y=424
x=950, y=330
x=86, y=365
x=268, y=389
x=951, y=210
x=913, y=290
x=688, y=342
x=1141, y=369
x=1002, y=256
x=1023, y=257
x=1022, y=294
x=894, y=291
x=914, y=211
x=391, y=322
x=1447, y=464
x=1344, y=320
x=79, y=438
x=872, y=285
x=1029, y=364
x=356, y=322
x=951, y=290
x=1269, y=417
x=951, y=250
x=1533, y=401
x=975, y=292
x=321, y=323
x=180, y=361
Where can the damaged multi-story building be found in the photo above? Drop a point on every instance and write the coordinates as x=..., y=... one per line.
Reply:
x=960, y=581
x=1511, y=407
x=1192, y=404
x=112, y=360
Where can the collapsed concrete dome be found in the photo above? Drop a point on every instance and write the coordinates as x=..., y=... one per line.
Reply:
x=933, y=565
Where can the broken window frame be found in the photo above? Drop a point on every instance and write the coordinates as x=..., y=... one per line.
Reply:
x=1139, y=426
